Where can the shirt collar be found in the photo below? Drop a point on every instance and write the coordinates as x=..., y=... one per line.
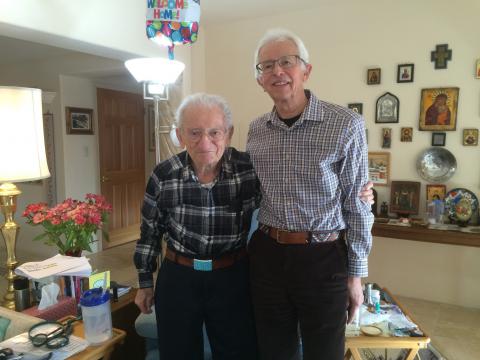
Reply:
x=311, y=112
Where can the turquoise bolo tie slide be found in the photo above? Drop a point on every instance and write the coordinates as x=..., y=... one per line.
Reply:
x=203, y=265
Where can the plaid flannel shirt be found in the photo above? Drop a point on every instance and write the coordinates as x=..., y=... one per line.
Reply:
x=197, y=221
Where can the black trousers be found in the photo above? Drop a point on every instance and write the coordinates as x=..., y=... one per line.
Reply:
x=299, y=290
x=185, y=299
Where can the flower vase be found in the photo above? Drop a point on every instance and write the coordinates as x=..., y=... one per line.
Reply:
x=74, y=252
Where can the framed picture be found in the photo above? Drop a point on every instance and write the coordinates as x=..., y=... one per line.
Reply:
x=470, y=137
x=379, y=167
x=436, y=192
x=357, y=107
x=404, y=197
x=438, y=109
x=438, y=139
x=386, y=138
x=374, y=76
x=406, y=134
x=387, y=109
x=151, y=126
x=477, y=69
x=79, y=121
x=405, y=73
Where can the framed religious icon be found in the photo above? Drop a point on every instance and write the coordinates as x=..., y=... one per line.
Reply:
x=374, y=76
x=379, y=167
x=79, y=121
x=470, y=137
x=388, y=107
x=405, y=73
x=436, y=192
x=386, y=138
x=406, y=134
x=357, y=107
x=438, y=109
x=438, y=139
x=404, y=197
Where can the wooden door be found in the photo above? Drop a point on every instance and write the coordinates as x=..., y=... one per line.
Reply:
x=122, y=161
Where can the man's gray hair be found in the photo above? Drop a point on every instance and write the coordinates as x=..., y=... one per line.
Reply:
x=206, y=100
x=279, y=34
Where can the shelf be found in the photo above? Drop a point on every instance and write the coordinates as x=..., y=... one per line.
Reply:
x=417, y=233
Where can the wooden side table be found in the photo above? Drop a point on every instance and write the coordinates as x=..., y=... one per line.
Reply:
x=353, y=344
x=96, y=352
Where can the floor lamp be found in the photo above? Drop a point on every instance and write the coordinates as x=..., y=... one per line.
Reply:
x=156, y=74
x=23, y=158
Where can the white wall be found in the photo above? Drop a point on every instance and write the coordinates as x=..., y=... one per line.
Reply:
x=344, y=39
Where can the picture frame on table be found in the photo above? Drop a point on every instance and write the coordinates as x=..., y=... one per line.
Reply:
x=387, y=110
x=405, y=197
x=379, y=168
x=405, y=73
x=435, y=190
x=357, y=107
x=438, y=138
x=438, y=109
x=79, y=121
x=374, y=76
x=470, y=137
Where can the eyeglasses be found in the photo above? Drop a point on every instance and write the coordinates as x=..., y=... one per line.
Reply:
x=285, y=62
x=195, y=135
x=51, y=333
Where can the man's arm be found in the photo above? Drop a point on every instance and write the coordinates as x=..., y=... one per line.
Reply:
x=149, y=245
x=357, y=213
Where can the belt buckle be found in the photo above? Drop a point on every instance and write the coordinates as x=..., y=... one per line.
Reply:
x=278, y=234
x=202, y=265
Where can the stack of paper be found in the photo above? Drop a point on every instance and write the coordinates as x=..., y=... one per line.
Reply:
x=59, y=265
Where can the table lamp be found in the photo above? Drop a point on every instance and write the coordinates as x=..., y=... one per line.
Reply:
x=23, y=159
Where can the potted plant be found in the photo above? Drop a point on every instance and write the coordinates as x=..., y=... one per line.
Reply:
x=72, y=224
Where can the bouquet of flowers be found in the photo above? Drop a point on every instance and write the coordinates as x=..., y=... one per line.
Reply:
x=71, y=224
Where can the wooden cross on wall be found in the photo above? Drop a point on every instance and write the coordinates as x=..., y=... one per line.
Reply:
x=441, y=55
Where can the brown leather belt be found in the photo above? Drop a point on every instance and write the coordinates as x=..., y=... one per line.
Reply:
x=223, y=261
x=286, y=237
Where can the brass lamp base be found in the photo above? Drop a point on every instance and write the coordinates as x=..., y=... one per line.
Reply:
x=8, y=206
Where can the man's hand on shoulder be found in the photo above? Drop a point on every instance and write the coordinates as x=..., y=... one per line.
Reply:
x=144, y=300
x=355, y=296
x=366, y=194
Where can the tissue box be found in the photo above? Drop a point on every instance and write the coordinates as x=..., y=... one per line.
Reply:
x=66, y=306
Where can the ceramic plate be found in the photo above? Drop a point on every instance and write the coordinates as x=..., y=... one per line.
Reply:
x=461, y=204
x=371, y=330
x=436, y=164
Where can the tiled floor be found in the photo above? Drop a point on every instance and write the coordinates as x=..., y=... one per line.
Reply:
x=454, y=330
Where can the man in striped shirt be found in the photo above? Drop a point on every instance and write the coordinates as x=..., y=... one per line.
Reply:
x=311, y=249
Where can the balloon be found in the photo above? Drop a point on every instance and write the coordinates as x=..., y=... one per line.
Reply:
x=173, y=22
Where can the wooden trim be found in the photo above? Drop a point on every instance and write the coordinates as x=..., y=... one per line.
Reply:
x=417, y=233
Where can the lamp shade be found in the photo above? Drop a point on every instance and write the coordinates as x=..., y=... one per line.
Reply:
x=22, y=146
x=155, y=70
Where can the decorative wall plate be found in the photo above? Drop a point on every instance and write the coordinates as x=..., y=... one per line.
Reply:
x=460, y=205
x=436, y=165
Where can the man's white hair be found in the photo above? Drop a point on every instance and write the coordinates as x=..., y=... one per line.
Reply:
x=279, y=34
x=206, y=100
